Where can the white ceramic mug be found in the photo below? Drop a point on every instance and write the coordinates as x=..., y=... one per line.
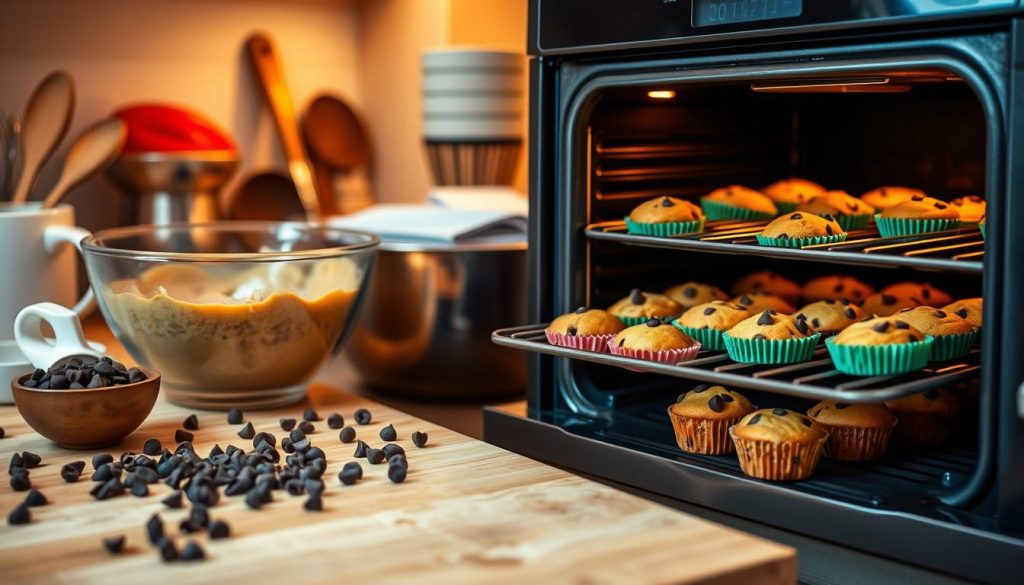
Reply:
x=36, y=262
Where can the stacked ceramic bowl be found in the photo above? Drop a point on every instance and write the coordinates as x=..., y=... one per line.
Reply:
x=472, y=115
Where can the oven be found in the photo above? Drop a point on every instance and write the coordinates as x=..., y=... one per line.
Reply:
x=632, y=100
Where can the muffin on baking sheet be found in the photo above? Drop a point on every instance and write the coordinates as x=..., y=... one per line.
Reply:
x=640, y=306
x=799, y=229
x=836, y=287
x=665, y=216
x=954, y=335
x=856, y=432
x=701, y=419
x=883, y=305
x=706, y=323
x=917, y=215
x=970, y=309
x=737, y=202
x=883, y=346
x=970, y=208
x=787, y=194
x=778, y=444
x=691, y=294
x=771, y=338
x=829, y=317
x=756, y=302
x=851, y=213
x=656, y=341
x=923, y=291
x=768, y=282
x=886, y=197
x=587, y=329
x=925, y=418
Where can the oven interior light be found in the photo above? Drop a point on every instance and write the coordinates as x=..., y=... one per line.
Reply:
x=661, y=94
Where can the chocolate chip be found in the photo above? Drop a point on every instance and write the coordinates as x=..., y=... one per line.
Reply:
x=140, y=489
x=101, y=460
x=754, y=420
x=374, y=456
x=571, y=330
x=917, y=198
x=306, y=427
x=622, y=342
x=962, y=313
x=70, y=472
x=716, y=404
x=760, y=336
x=154, y=529
x=636, y=297
x=796, y=216
x=806, y=421
x=35, y=498
x=398, y=459
x=152, y=447
x=30, y=460
x=940, y=205
x=287, y=424
x=745, y=300
x=782, y=236
x=219, y=529
x=816, y=322
x=931, y=394
x=852, y=205
x=419, y=439
x=247, y=432
x=689, y=292
x=581, y=310
x=310, y=415
x=902, y=324
x=347, y=435
x=19, y=515
x=181, y=436
x=802, y=327
x=888, y=300
x=191, y=423
x=709, y=311
x=881, y=326
x=172, y=501
x=850, y=313
x=235, y=416
x=666, y=202
x=765, y=319
x=388, y=433
x=192, y=552
x=114, y=544
x=360, y=449
x=397, y=473
x=828, y=229
x=940, y=313
x=20, y=481
x=779, y=411
x=653, y=322
x=335, y=421
x=350, y=473
x=314, y=503
x=975, y=198
x=363, y=416
x=833, y=301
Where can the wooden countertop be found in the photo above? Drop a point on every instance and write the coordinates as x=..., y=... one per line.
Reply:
x=468, y=513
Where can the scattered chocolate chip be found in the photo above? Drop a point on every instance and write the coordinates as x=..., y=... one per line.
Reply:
x=287, y=424
x=181, y=436
x=931, y=394
x=779, y=411
x=235, y=416
x=35, y=498
x=850, y=313
x=114, y=544
x=219, y=529
x=716, y=404
x=154, y=529
x=70, y=472
x=363, y=416
x=152, y=447
x=881, y=326
x=361, y=448
x=20, y=481
x=392, y=449
x=247, y=431
x=901, y=324
x=172, y=501
x=347, y=435
x=30, y=460
x=191, y=423
x=637, y=297
x=314, y=503
x=389, y=433
x=335, y=421
x=350, y=473
x=140, y=489
x=19, y=515
x=754, y=419
x=374, y=456
x=310, y=415
x=306, y=427
x=397, y=473
x=2, y=432
x=419, y=439
x=101, y=460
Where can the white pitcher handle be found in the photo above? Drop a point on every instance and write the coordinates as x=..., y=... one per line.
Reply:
x=70, y=339
x=56, y=236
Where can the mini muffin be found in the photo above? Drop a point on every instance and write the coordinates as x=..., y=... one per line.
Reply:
x=701, y=419
x=829, y=317
x=799, y=229
x=665, y=216
x=758, y=301
x=883, y=305
x=886, y=197
x=655, y=341
x=925, y=418
x=778, y=444
x=928, y=294
x=787, y=194
x=737, y=202
x=769, y=282
x=917, y=215
x=771, y=338
x=836, y=287
x=691, y=294
x=970, y=208
x=851, y=213
x=706, y=323
x=970, y=309
x=587, y=329
x=883, y=346
x=953, y=334
x=856, y=432
x=640, y=306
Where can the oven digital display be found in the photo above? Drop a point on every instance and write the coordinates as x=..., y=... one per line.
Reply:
x=717, y=12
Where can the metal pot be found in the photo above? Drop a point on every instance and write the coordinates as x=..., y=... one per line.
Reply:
x=429, y=313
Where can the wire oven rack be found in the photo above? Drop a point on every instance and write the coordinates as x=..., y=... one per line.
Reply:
x=815, y=379
x=960, y=250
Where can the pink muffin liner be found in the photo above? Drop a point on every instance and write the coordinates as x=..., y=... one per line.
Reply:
x=667, y=356
x=596, y=343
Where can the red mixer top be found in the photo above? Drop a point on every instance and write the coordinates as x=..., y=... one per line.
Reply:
x=165, y=128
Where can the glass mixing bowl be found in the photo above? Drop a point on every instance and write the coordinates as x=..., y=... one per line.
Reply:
x=231, y=313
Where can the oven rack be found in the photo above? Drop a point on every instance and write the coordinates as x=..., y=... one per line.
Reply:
x=960, y=250
x=815, y=379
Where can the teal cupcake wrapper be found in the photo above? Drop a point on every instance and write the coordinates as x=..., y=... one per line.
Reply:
x=852, y=222
x=771, y=351
x=799, y=242
x=785, y=208
x=716, y=211
x=891, y=227
x=708, y=338
x=981, y=227
x=949, y=347
x=664, y=230
x=880, y=360
x=631, y=321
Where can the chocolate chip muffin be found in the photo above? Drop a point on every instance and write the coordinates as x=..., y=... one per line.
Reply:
x=883, y=305
x=953, y=334
x=768, y=282
x=829, y=317
x=787, y=194
x=691, y=294
x=640, y=306
x=970, y=309
x=707, y=322
x=701, y=419
x=917, y=215
x=778, y=444
x=879, y=331
x=655, y=340
x=883, y=346
x=665, y=216
x=970, y=208
x=756, y=302
x=737, y=202
x=924, y=292
x=925, y=418
x=886, y=197
x=848, y=211
x=856, y=432
x=836, y=287
x=587, y=329
x=771, y=338
x=799, y=229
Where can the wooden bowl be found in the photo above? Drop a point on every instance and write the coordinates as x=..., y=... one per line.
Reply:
x=89, y=418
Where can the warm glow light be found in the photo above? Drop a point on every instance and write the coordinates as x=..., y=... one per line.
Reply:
x=661, y=94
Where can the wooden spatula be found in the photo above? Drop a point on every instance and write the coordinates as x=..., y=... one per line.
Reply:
x=94, y=149
x=46, y=120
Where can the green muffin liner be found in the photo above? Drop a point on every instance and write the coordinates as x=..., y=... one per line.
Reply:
x=715, y=211
x=771, y=351
x=708, y=338
x=891, y=227
x=785, y=208
x=981, y=227
x=631, y=321
x=799, y=242
x=949, y=347
x=880, y=360
x=664, y=230
x=852, y=222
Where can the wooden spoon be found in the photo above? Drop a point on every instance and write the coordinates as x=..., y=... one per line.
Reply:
x=44, y=124
x=337, y=141
x=94, y=149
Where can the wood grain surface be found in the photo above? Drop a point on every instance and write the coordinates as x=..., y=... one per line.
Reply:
x=469, y=512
